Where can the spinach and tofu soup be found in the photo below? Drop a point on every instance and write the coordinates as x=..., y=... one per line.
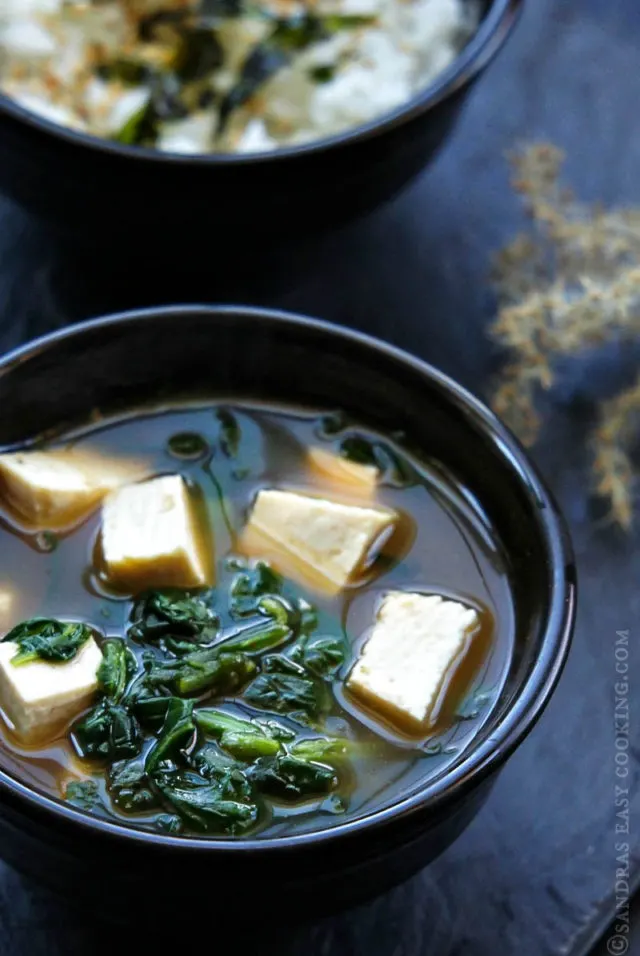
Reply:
x=240, y=620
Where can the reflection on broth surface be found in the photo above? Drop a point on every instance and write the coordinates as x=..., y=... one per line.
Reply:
x=260, y=735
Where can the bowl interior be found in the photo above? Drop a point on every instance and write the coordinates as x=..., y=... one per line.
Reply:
x=158, y=357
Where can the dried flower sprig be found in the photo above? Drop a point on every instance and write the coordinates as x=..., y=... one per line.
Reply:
x=569, y=285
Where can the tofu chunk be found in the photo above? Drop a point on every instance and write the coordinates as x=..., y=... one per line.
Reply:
x=58, y=488
x=415, y=646
x=151, y=537
x=342, y=473
x=325, y=542
x=39, y=698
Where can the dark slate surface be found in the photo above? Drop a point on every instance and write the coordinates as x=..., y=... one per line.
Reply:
x=535, y=872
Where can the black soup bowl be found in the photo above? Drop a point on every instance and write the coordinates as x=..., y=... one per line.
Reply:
x=161, y=356
x=127, y=195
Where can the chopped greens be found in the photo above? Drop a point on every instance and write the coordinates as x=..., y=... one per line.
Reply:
x=254, y=581
x=55, y=642
x=169, y=744
x=83, y=794
x=289, y=35
x=130, y=788
x=177, y=733
x=181, y=619
x=322, y=656
x=203, y=805
x=323, y=73
x=285, y=688
x=292, y=778
x=140, y=129
x=198, y=53
x=126, y=69
x=109, y=732
x=230, y=433
x=117, y=667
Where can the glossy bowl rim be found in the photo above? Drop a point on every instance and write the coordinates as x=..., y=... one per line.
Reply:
x=532, y=697
x=490, y=36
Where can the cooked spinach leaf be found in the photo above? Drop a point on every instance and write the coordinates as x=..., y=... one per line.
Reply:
x=202, y=805
x=230, y=432
x=160, y=24
x=331, y=750
x=169, y=823
x=83, y=794
x=214, y=671
x=178, y=731
x=108, y=732
x=165, y=103
x=228, y=775
x=254, y=581
x=287, y=693
x=263, y=62
x=241, y=738
x=263, y=636
x=140, y=129
x=44, y=639
x=116, y=670
x=125, y=69
x=291, y=778
x=129, y=787
x=322, y=73
x=249, y=746
x=171, y=615
x=198, y=53
x=276, y=730
x=288, y=36
x=322, y=656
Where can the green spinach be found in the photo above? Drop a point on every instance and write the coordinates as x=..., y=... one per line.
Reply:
x=130, y=788
x=83, y=794
x=116, y=669
x=322, y=656
x=291, y=778
x=44, y=639
x=284, y=688
x=230, y=433
x=108, y=732
x=202, y=805
x=178, y=731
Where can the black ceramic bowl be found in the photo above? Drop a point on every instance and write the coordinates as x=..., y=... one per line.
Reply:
x=158, y=355
x=83, y=183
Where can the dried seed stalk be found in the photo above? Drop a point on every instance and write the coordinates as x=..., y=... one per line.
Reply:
x=569, y=285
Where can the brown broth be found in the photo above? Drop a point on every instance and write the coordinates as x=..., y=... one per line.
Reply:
x=443, y=545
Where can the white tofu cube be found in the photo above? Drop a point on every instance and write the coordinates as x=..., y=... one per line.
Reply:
x=39, y=697
x=58, y=488
x=151, y=537
x=327, y=541
x=342, y=473
x=415, y=646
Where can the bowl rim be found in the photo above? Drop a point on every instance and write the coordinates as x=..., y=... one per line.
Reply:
x=491, y=34
x=532, y=697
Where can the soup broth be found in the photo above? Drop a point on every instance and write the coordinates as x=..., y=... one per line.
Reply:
x=300, y=628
